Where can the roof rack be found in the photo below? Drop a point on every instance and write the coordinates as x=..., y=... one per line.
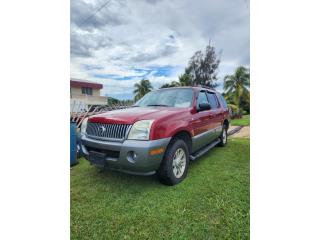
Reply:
x=206, y=87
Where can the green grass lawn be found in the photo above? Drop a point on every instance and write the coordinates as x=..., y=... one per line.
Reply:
x=211, y=203
x=244, y=121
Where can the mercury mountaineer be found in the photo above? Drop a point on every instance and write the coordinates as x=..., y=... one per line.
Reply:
x=159, y=134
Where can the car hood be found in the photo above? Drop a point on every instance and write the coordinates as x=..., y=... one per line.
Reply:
x=131, y=115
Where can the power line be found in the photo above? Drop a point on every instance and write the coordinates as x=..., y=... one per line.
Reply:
x=98, y=10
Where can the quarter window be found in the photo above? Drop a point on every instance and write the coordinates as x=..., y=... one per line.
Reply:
x=213, y=100
x=223, y=101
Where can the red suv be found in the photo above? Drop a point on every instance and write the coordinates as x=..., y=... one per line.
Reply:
x=159, y=134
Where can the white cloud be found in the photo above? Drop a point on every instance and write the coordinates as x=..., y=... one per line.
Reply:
x=128, y=35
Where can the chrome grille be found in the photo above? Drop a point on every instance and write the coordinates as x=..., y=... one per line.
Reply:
x=106, y=131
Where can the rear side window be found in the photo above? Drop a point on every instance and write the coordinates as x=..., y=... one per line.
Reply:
x=213, y=100
x=222, y=100
x=202, y=98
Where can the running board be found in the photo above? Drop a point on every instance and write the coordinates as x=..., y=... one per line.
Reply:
x=202, y=151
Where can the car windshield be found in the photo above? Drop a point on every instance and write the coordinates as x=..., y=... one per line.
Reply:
x=167, y=98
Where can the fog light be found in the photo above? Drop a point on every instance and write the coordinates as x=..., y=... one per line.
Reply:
x=131, y=157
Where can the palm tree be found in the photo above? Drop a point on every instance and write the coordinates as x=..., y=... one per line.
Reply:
x=142, y=88
x=184, y=80
x=236, y=86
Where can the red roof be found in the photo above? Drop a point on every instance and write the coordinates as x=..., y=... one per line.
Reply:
x=84, y=83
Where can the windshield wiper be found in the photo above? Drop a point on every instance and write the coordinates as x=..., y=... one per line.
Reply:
x=157, y=105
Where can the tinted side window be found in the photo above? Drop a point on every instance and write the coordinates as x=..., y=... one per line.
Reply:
x=213, y=100
x=202, y=98
x=223, y=101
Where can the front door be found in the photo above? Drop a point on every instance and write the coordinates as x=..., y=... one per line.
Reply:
x=202, y=125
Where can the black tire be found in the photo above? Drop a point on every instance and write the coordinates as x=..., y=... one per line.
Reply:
x=222, y=141
x=165, y=172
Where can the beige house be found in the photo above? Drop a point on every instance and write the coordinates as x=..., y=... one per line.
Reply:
x=86, y=92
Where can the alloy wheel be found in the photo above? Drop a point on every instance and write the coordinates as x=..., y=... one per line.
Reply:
x=224, y=136
x=179, y=163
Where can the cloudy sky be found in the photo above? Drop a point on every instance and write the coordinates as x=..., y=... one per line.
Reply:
x=119, y=42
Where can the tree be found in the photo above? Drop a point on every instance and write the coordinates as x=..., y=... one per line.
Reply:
x=245, y=102
x=172, y=84
x=112, y=101
x=202, y=68
x=236, y=87
x=185, y=80
x=142, y=88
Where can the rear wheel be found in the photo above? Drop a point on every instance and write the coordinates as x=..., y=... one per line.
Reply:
x=224, y=136
x=175, y=164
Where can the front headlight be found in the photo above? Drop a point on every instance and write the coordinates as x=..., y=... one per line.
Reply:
x=140, y=130
x=84, y=126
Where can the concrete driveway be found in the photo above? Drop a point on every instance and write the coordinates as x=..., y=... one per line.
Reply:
x=243, y=133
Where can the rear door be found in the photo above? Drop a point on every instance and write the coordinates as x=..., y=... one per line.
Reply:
x=216, y=115
x=224, y=106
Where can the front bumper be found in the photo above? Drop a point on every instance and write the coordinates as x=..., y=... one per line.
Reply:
x=116, y=154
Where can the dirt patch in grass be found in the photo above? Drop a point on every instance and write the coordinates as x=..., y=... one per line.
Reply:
x=243, y=133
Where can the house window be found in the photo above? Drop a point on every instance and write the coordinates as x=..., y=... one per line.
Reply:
x=86, y=90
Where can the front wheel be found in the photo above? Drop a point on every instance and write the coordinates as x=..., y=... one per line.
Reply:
x=175, y=164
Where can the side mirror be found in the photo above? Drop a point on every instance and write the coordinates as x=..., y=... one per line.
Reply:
x=204, y=107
